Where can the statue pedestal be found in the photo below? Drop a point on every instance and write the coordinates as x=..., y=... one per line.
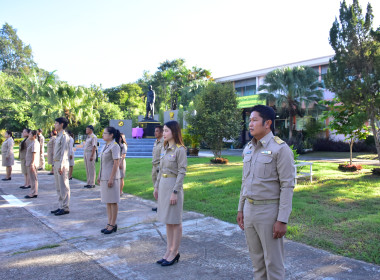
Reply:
x=149, y=126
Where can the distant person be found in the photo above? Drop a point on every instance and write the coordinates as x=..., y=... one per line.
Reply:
x=266, y=195
x=32, y=159
x=123, y=152
x=7, y=155
x=50, y=150
x=168, y=190
x=71, y=154
x=61, y=167
x=42, y=152
x=22, y=153
x=150, y=99
x=90, y=147
x=158, y=132
x=109, y=177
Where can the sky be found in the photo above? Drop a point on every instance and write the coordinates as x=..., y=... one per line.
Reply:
x=112, y=42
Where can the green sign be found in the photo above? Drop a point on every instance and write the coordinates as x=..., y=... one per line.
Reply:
x=249, y=101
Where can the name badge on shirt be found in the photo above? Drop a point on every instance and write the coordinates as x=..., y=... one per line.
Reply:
x=249, y=152
x=266, y=152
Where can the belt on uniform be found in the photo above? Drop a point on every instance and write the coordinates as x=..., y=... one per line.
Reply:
x=262, y=202
x=169, y=176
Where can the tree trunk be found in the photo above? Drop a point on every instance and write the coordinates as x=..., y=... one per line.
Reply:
x=290, y=126
x=351, y=145
x=374, y=131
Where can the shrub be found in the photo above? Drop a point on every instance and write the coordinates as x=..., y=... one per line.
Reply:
x=376, y=171
x=219, y=160
x=349, y=168
x=329, y=145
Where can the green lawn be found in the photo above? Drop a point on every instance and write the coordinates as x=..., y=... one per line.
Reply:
x=338, y=212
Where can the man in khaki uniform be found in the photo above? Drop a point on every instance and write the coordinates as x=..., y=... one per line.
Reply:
x=42, y=150
x=61, y=167
x=158, y=131
x=90, y=147
x=266, y=195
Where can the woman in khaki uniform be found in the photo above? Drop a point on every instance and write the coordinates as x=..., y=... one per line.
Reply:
x=109, y=177
x=50, y=150
x=7, y=155
x=23, y=146
x=123, y=151
x=32, y=160
x=71, y=155
x=168, y=190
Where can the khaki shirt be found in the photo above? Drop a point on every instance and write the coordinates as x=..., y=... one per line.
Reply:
x=173, y=161
x=34, y=147
x=268, y=173
x=42, y=143
x=23, y=152
x=50, y=145
x=123, y=150
x=91, y=141
x=109, y=154
x=157, y=151
x=7, y=147
x=71, y=146
x=61, y=149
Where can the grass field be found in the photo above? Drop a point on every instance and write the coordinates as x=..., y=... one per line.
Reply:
x=338, y=212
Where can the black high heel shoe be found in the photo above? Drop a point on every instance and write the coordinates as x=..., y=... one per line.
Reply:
x=166, y=263
x=114, y=229
x=104, y=229
x=161, y=261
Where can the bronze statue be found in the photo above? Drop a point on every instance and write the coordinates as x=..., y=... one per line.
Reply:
x=150, y=99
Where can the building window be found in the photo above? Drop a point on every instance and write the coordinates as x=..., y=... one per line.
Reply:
x=246, y=90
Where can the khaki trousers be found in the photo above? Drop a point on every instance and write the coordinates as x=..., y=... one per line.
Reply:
x=267, y=254
x=155, y=169
x=42, y=160
x=62, y=186
x=33, y=179
x=90, y=168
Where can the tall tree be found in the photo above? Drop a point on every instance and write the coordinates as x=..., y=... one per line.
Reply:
x=354, y=72
x=292, y=88
x=216, y=116
x=15, y=56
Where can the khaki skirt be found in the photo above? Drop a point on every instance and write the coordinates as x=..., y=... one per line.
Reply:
x=166, y=213
x=122, y=170
x=24, y=169
x=110, y=195
x=8, y=162
x=71, y=161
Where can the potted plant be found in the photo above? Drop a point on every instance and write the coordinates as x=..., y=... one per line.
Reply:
x=194, y=146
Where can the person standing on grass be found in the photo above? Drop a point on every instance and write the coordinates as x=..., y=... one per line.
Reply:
x=32, y=159
x=42, y=151
x=109, y=177
x=90, y=147
x=266, y=195
x=71, y=154
x=123, y=152
x=158, y=131
x=61, y=167
x=22, y=153
x=50, y=150
x=7, y=154
x=168, y=190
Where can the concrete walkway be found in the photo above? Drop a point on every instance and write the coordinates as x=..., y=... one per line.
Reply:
x=35, y=244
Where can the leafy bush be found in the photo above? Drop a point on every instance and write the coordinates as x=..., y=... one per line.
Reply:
x=349, y=168
x=376, y=171
x=328, y=145
x=219, y=160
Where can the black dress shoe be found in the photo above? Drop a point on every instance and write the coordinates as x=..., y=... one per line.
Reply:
x=5, y=179
x=39, y=169
x=50, y=173
x=104, y=229
x=71, y=178
x=55, y=211
x=28, y=187
x=61, y=212
x=33, y=196
x=114, y=229
x=166, y=263
x=160, y=261
x=154, y=209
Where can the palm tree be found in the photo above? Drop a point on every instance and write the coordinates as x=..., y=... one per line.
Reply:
x=291, y=88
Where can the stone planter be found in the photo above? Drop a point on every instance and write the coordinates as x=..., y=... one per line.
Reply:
x=193, y=152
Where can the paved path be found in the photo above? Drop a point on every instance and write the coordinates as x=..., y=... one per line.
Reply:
x=35, y=244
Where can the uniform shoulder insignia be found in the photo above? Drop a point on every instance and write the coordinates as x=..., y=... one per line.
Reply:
x=179, y=146
x=278, y=140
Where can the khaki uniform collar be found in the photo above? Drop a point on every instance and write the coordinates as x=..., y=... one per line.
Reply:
x=61, y=132
x=264, y=141
x=159, y=140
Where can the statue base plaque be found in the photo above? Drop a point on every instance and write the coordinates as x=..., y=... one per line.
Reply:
x=149, y=126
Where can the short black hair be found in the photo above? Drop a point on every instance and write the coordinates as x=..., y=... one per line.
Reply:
x=39, y=130
x=160, y=127
x=90, y=127
x=266, y=113
x=62, y=120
